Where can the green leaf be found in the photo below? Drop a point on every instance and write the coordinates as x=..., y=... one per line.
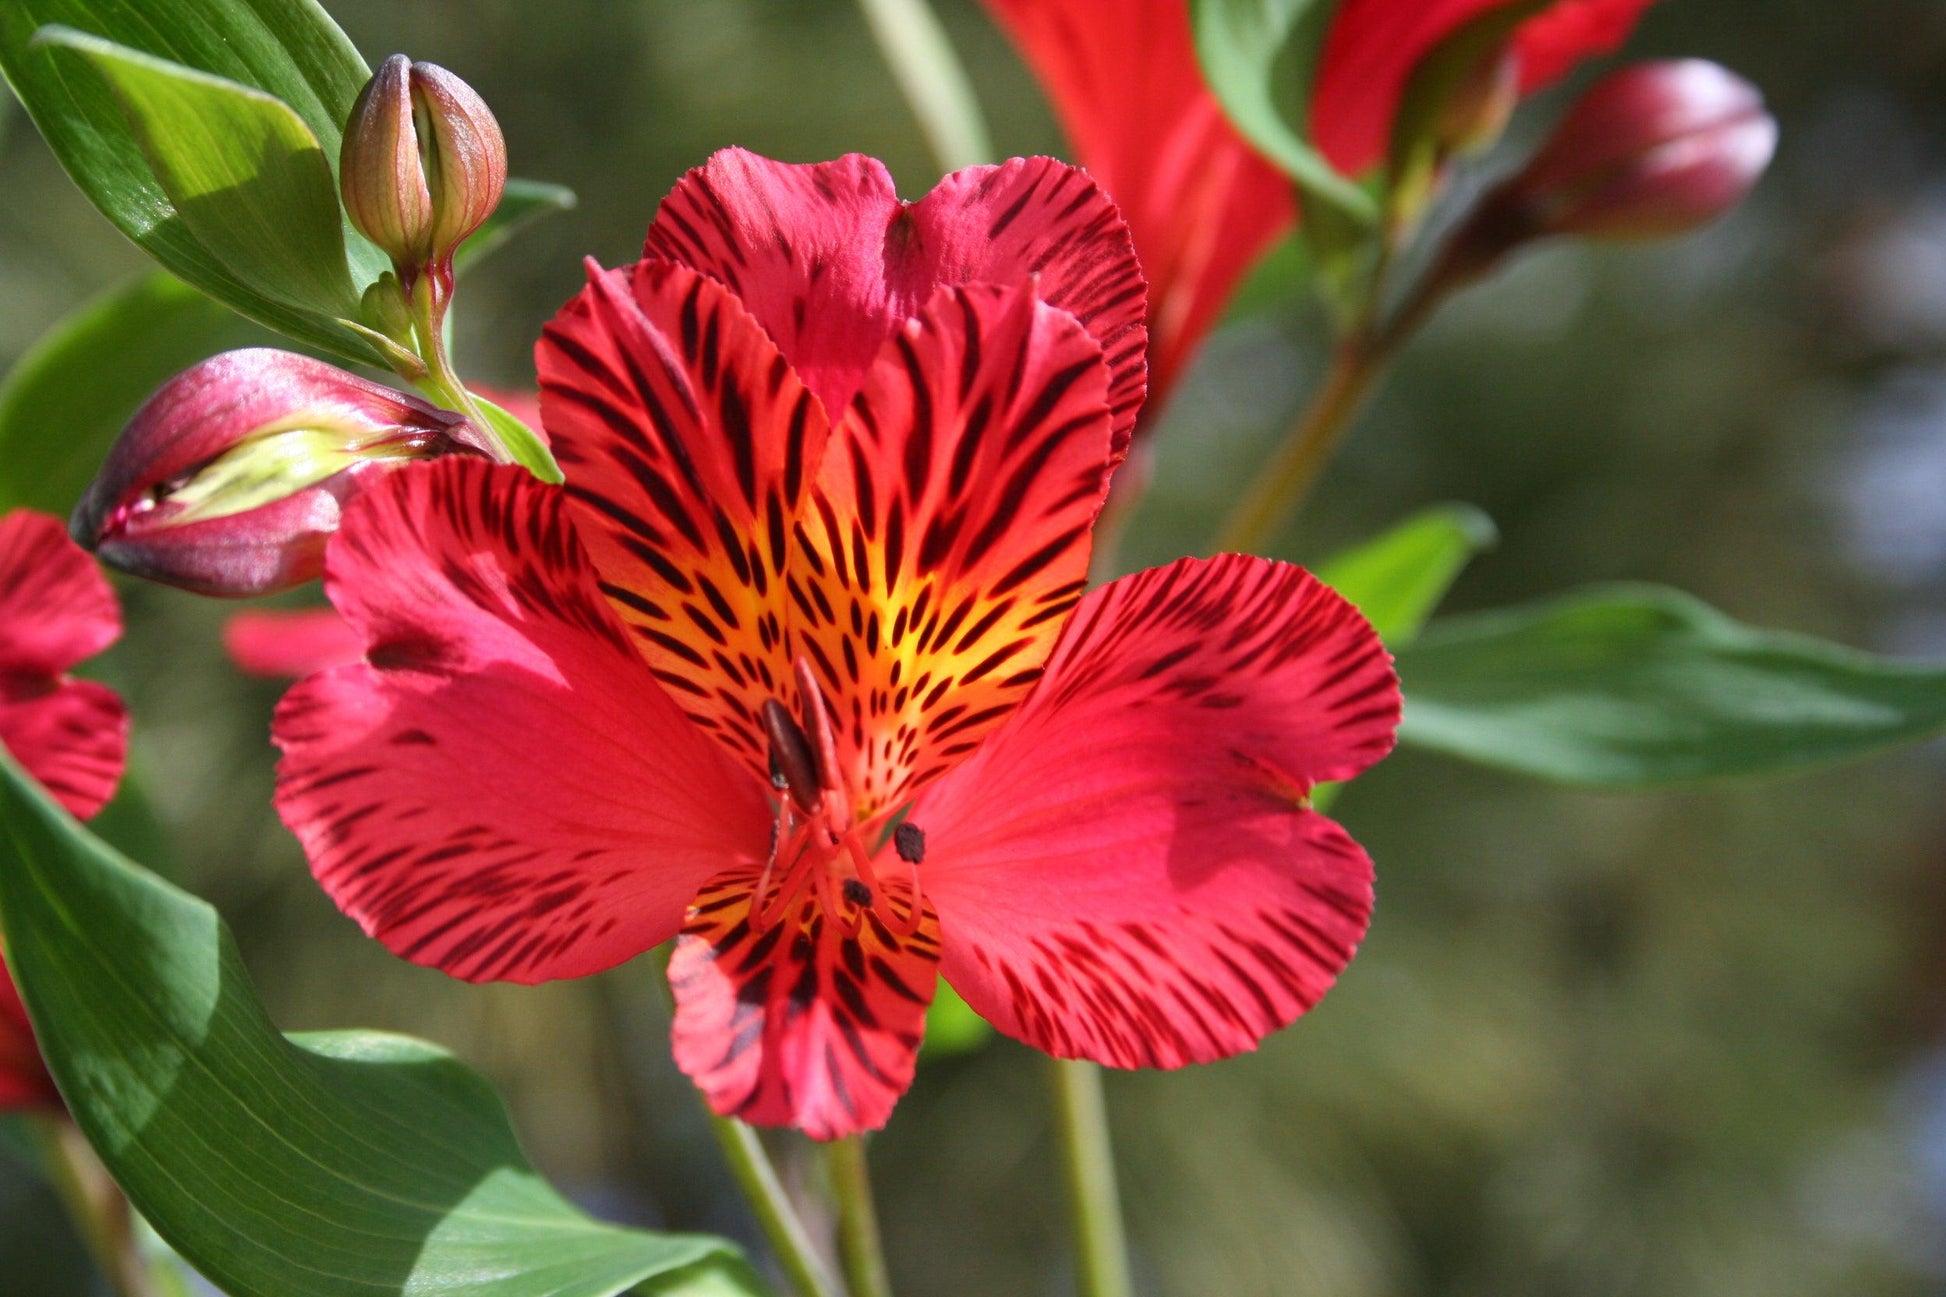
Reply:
x=285, y=48
x=1398, y=579
x=528, y=450
x=66, y=401
x=1634, y=686
x=524, y=202
x=1258, y=56
x=316, y=1165
x=952, y=1025
x=242, y=169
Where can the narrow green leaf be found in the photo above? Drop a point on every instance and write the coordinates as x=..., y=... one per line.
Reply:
x=1633, y=686
x=932, y=79
x=316, y=1165
x=1258, y=56
x=286, y=48
x=1398, y=579
x=529, y=451
x=240, y=167
x=524, y=202
x=65, y=402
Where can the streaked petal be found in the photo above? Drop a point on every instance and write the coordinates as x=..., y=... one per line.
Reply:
x=502, y=790
x=1127, y=870
x=1374, y=45
x=688, y=446
x=949, y=537
x=24, y=1082
x=1201, y=204
x=799, y=1024
x=71, y=735
x=282, y=644
x=56, y=608
x=831, y=262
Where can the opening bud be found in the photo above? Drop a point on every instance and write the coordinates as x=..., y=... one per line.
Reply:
x=423, y=165
x=231, y=477
x=1650, y=152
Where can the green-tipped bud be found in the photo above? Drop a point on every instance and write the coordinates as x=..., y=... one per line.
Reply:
x=423, y=165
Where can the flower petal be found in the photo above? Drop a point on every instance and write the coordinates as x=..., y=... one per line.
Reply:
x=285, y=644
x=56, y=608
x=949, y=537
x=1201, y=204
x=831, y=262
x=502, y=790
x=688, y=446
x=24, y=1082
x=1374, y=46
x=799, y=1025
x=71, y=735
x=1127, y=871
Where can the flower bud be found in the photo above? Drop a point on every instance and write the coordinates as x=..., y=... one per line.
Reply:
x=231, y=477
x=1652, y=151
x=423, y=165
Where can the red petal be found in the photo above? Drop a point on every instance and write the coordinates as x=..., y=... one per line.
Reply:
x=688, y=445
x=1127, y=871
x=1200, y=202
x=71, y=735
x=799, y=1025
x=949, y=538
x=55, y=606
x=1374, y=45
x=290, y=645
x=24, y=1082
x=831, y=262
x=502, y=791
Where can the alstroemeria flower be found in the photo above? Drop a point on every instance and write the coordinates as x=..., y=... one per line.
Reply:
x=798, y=668
x=71, y=735
x=1202, y=205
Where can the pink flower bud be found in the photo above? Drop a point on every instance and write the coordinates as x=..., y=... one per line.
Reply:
x=1651, y=151
x=423, y=164
x=230, y=477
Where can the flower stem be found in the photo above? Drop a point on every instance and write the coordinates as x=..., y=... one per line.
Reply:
x=1094, y=1203
x=858, y=1237
x=761, y=1188
x=95, y=1203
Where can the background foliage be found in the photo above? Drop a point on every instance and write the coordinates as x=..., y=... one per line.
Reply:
x=1675, y=1043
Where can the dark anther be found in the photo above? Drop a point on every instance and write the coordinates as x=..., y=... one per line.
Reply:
x=857, y=893
x=790, y=756
x=910, y=842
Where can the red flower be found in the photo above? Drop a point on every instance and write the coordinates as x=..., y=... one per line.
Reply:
x=71, y=735
x=832, y=464
x=1200, y=202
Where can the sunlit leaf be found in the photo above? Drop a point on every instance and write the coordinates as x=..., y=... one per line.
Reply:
x=1258, y=56
x=63, y=405
x=1632, y=686
x=952, y=1025
x=285, y=48
x=524, y=202
x=315, y=1165
x=526, y=446
x=1398, y=579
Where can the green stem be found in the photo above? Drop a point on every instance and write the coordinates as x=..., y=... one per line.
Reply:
x=95, y=1203
x=785, y=1232
x=440, y=381
x=858, y=1237
x=1094, y=1204
x=932, y=79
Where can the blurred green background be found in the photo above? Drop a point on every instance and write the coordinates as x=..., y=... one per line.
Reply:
x=1596, y=1045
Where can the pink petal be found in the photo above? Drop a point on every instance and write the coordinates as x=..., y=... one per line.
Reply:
x=289, y=645
x=949, y=538
x=24, y=1082
x=1201, y=204
x=71, y=735
x=798, y=1025
x=55, y=606
x=688, y=445
x=502, y=791
x=1374, y=46
x=831, y=262
x=1128, y=871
